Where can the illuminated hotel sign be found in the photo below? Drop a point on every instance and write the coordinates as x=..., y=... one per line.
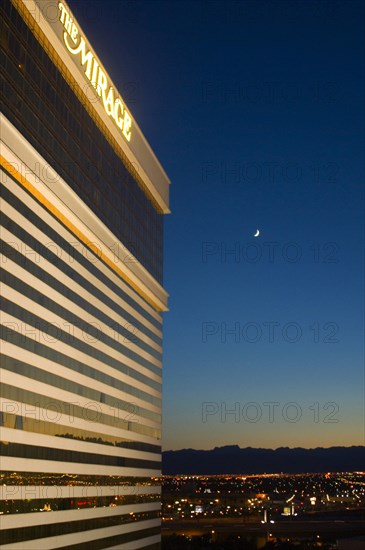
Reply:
x=75, y=43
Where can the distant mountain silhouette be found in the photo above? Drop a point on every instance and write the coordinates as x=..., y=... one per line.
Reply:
x=234, y=460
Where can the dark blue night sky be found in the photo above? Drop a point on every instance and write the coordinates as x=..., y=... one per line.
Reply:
x=255, y=110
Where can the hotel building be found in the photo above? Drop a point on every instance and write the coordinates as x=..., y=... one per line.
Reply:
x=83, y=199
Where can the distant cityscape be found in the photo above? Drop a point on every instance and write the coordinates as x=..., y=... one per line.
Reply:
x=263, y=511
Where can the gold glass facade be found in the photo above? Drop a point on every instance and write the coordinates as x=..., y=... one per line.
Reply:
x=82, y=301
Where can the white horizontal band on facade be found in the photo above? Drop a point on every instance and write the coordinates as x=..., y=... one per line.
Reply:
x=87, y=317
x=74, y=208
x=49, y=291
x=30, y=358
x=45, y=313
x=92, y=409
x=51, y=415
x=16, y=464
x=73, y=332
x=78, y=334
x=11, y=435
x=48, y=543
x=83, y=314
x=58, y=346
x=26, y=492
x=116, y=318
x=34, y=257
x=134, y=364
x=50, y=391
x=16, y=521
x=44, y=240
x=21, y=354
x=32, y=166
x=16, y=189
x=54, y=224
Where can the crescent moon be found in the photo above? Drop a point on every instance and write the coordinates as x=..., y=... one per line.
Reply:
x=257, y=233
